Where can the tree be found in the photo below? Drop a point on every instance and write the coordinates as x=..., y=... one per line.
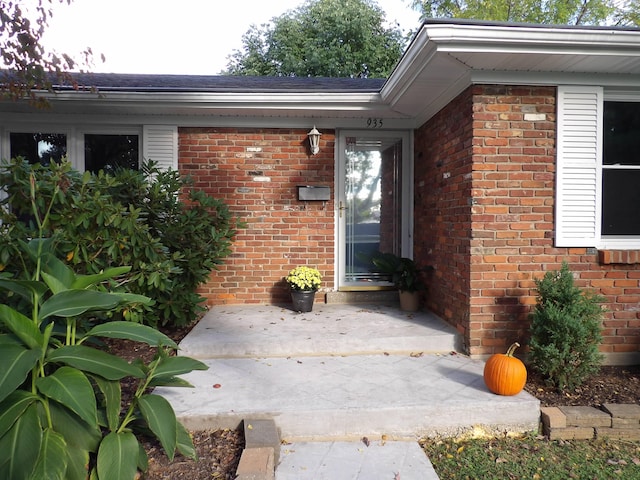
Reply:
x=28, y=65
x=551, y=12
x=330, y=38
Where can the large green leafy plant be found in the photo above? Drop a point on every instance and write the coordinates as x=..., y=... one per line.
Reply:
x=565, y=330
x=61, y=414
x=171, y=235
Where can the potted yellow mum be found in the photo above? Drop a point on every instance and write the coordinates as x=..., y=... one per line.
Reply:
x=304, y=283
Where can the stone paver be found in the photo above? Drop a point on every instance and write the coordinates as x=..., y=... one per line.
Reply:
x=354, y=461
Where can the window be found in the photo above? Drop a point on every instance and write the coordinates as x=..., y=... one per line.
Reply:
x=598, y=198
x=110, y=152
x=92, y=147
x=41, y=148
x=621, y=169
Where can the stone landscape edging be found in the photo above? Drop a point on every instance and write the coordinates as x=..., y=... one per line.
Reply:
x=613, y=421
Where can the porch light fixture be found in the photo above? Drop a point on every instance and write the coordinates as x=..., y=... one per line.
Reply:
x=314, y=140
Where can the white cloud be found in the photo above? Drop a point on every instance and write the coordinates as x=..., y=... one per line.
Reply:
x=183, y=37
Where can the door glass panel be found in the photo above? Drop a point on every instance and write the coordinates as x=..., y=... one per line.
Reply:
x=373, y=207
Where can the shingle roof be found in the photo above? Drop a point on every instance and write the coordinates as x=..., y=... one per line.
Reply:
x=224, y=83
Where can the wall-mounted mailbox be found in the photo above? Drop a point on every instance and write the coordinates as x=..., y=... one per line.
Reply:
x=311, y=193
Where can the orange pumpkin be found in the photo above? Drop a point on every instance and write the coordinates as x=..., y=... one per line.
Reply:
x=505, y=374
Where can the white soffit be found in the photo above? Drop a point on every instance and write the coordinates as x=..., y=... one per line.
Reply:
x=444, y=59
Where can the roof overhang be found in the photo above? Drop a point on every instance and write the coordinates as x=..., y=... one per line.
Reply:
x=444, y=58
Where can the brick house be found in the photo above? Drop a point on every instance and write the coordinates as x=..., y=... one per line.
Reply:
x=493, y=152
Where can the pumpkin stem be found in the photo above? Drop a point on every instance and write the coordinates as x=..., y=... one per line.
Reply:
x=512, y=349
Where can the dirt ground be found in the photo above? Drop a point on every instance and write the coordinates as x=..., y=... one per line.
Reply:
x=219, y=451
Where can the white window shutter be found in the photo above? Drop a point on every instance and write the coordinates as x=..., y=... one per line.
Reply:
x=578, y=180
x=160, y=145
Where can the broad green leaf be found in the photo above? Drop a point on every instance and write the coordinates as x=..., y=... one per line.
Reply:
x=132, y=331
x=161, y=418
x=78, y=434
x=129, y=298
x=171, y=366
x=52, y=461
x=22, y=327
x=143, y=459
x=9, y=339
x=25, y=288
x=83, y=281
x=13, y=407
x=112, y=394
x=95, y=361
x=185, y=442
x=55, y=285
x=16, y=362
x=118, y=456
x=20, y=446
x=39, y=247
x=77, y=461
x=73, y=389
x=169, y=382
x=71, y=303
x=58, y=273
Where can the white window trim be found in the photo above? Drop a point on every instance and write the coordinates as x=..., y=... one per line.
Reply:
x=579, y=168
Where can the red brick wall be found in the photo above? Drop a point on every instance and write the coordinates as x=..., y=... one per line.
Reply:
x=485, y=186
x=256, y=172
x=442, y=224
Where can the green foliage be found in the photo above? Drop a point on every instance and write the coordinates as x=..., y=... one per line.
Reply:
x=532, y=457
x=60, y=398
x=171, y=235
x=405, y=273
x=27, y=65
x=565, y=330
x=322, y=38
x=552, y=12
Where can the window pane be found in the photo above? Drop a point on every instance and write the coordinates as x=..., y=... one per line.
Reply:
x=110, y=152
x=38, y=147
x=620, y=202
x=621, y=133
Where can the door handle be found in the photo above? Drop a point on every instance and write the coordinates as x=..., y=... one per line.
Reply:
x=341, y=208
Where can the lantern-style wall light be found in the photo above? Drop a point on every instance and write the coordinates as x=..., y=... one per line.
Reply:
x=314, y=140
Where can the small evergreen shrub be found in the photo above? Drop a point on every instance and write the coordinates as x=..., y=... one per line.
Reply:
x=171, y=235
x=565, y=330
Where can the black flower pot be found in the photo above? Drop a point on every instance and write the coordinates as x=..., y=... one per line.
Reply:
x=303, y=300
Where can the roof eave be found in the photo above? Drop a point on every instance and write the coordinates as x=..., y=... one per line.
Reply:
x=434, y=69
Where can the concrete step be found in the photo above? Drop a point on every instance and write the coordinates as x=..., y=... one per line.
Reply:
x=380, y=460
x=271, y=331
x=348, y=397
x=330, y=377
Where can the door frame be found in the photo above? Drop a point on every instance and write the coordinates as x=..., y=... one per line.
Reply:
x=407, y=196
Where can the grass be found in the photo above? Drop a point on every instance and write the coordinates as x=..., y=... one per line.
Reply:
x=533, y=457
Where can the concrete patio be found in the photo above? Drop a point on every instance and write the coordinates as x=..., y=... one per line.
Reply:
x=338, y=374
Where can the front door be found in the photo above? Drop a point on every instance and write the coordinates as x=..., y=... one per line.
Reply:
x=374, y=204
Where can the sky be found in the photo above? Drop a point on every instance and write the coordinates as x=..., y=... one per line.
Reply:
x=188, y=37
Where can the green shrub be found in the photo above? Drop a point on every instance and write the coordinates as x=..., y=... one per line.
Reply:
x=170, y=235
x=565, y=330
x=61, y=406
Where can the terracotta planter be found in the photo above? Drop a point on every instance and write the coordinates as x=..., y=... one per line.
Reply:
x=303, y=300
x=409, y=301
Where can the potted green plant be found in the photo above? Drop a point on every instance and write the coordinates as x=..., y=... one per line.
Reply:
x=304, y=282
x=405, y=275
